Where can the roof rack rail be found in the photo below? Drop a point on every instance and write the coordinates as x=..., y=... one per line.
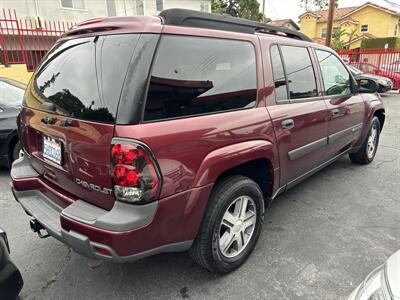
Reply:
x=192, y=18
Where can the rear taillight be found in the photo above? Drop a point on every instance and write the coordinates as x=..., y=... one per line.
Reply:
x=135, y=173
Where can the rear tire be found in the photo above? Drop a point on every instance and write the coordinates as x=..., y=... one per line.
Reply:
x=367, y=152
x=231, y=225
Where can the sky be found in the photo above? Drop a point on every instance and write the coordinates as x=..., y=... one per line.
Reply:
x=284, y=9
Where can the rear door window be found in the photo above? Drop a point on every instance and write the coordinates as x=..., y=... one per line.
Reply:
x=82, y=78
x=279, y=75
x=196, y=75
x=299, y=72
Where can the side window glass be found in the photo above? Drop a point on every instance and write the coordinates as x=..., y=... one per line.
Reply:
x=299, y=72
x=196, y=75
x=279, y=75
x=334, y=74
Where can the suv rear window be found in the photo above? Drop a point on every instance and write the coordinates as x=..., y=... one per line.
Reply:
x=82, y=78
x=196, y=75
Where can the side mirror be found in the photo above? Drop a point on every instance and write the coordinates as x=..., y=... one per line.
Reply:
x=367, y=86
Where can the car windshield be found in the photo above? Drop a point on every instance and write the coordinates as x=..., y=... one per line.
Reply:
x=10, y=95
x=354, y=70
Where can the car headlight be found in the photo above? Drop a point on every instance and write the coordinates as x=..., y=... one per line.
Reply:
x=374, y=287
x=383, y=81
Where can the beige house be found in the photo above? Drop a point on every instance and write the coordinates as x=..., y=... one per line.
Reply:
x=289, y=23
x=366, y=21
x=79, y=10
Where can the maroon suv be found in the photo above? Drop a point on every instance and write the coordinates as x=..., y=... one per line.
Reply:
x=156, y=134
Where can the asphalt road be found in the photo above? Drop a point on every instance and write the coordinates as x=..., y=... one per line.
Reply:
x=320, y=240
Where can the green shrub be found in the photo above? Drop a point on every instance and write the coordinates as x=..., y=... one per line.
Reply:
x=379, y=43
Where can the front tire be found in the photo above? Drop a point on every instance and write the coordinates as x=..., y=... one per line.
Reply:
x=231, y=225
x=367, y=152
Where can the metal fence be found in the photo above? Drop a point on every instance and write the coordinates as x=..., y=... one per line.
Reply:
x=27, y=41
x=383, y=62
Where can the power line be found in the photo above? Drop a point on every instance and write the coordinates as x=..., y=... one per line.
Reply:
x=392, y=3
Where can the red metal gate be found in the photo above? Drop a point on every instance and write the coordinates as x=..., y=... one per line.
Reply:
x=27, y=41
x=382, y=62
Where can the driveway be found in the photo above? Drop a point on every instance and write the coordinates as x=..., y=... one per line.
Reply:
x=319, y=241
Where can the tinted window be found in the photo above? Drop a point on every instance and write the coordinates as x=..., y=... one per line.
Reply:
x=193, y=75
x=279, y=75
x=334, y=74
x=10, y=95
x=299, y=72
x=83, y=77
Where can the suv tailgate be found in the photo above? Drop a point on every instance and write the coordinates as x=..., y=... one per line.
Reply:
x=69, y=113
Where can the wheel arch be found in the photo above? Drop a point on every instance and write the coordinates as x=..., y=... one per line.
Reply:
x=380, y=114
x=254, y=159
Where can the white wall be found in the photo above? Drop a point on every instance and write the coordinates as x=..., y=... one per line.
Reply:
x=51, y=10
x=188, y=4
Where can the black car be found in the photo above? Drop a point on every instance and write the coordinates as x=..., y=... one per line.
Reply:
x=11, y=281
x=11, y=94
x=385, y=84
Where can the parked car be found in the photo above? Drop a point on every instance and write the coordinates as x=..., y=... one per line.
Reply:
x=11, y=281
x=385, y=84
x=11, y=94
x=392, y=67
x=383, y=283
x=371, y=69
x=181, y=142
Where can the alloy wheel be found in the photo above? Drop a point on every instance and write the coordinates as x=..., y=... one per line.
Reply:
x=372, y=141
x=237, y=226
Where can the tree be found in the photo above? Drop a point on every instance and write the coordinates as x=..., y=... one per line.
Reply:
x=337, y=42
x=216, y=6
x=352, y=34
x=316, y=4
x=247, y=9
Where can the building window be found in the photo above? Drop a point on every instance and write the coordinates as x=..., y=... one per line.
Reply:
x=364, y=28
x=111, y=8
x=336, y=30
x=159, y=5
x=75, y=4
x=139, y=8
x=204, y=6
x=323, y=32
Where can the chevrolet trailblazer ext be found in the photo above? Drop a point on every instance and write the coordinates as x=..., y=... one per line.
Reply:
x=156, y=134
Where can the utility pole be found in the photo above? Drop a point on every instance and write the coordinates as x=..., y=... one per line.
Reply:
x=263, y=12
x=330, y=23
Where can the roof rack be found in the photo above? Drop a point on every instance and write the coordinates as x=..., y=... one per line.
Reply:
x=192, y=18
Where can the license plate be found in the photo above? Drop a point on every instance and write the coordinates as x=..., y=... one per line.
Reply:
x=52, y=150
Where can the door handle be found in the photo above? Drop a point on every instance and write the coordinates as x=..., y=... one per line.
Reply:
x=287, y=124
x=335, y=113
x=48, y=120
x=66, y=123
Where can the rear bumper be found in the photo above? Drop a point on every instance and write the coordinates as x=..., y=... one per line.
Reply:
x=125, y=233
